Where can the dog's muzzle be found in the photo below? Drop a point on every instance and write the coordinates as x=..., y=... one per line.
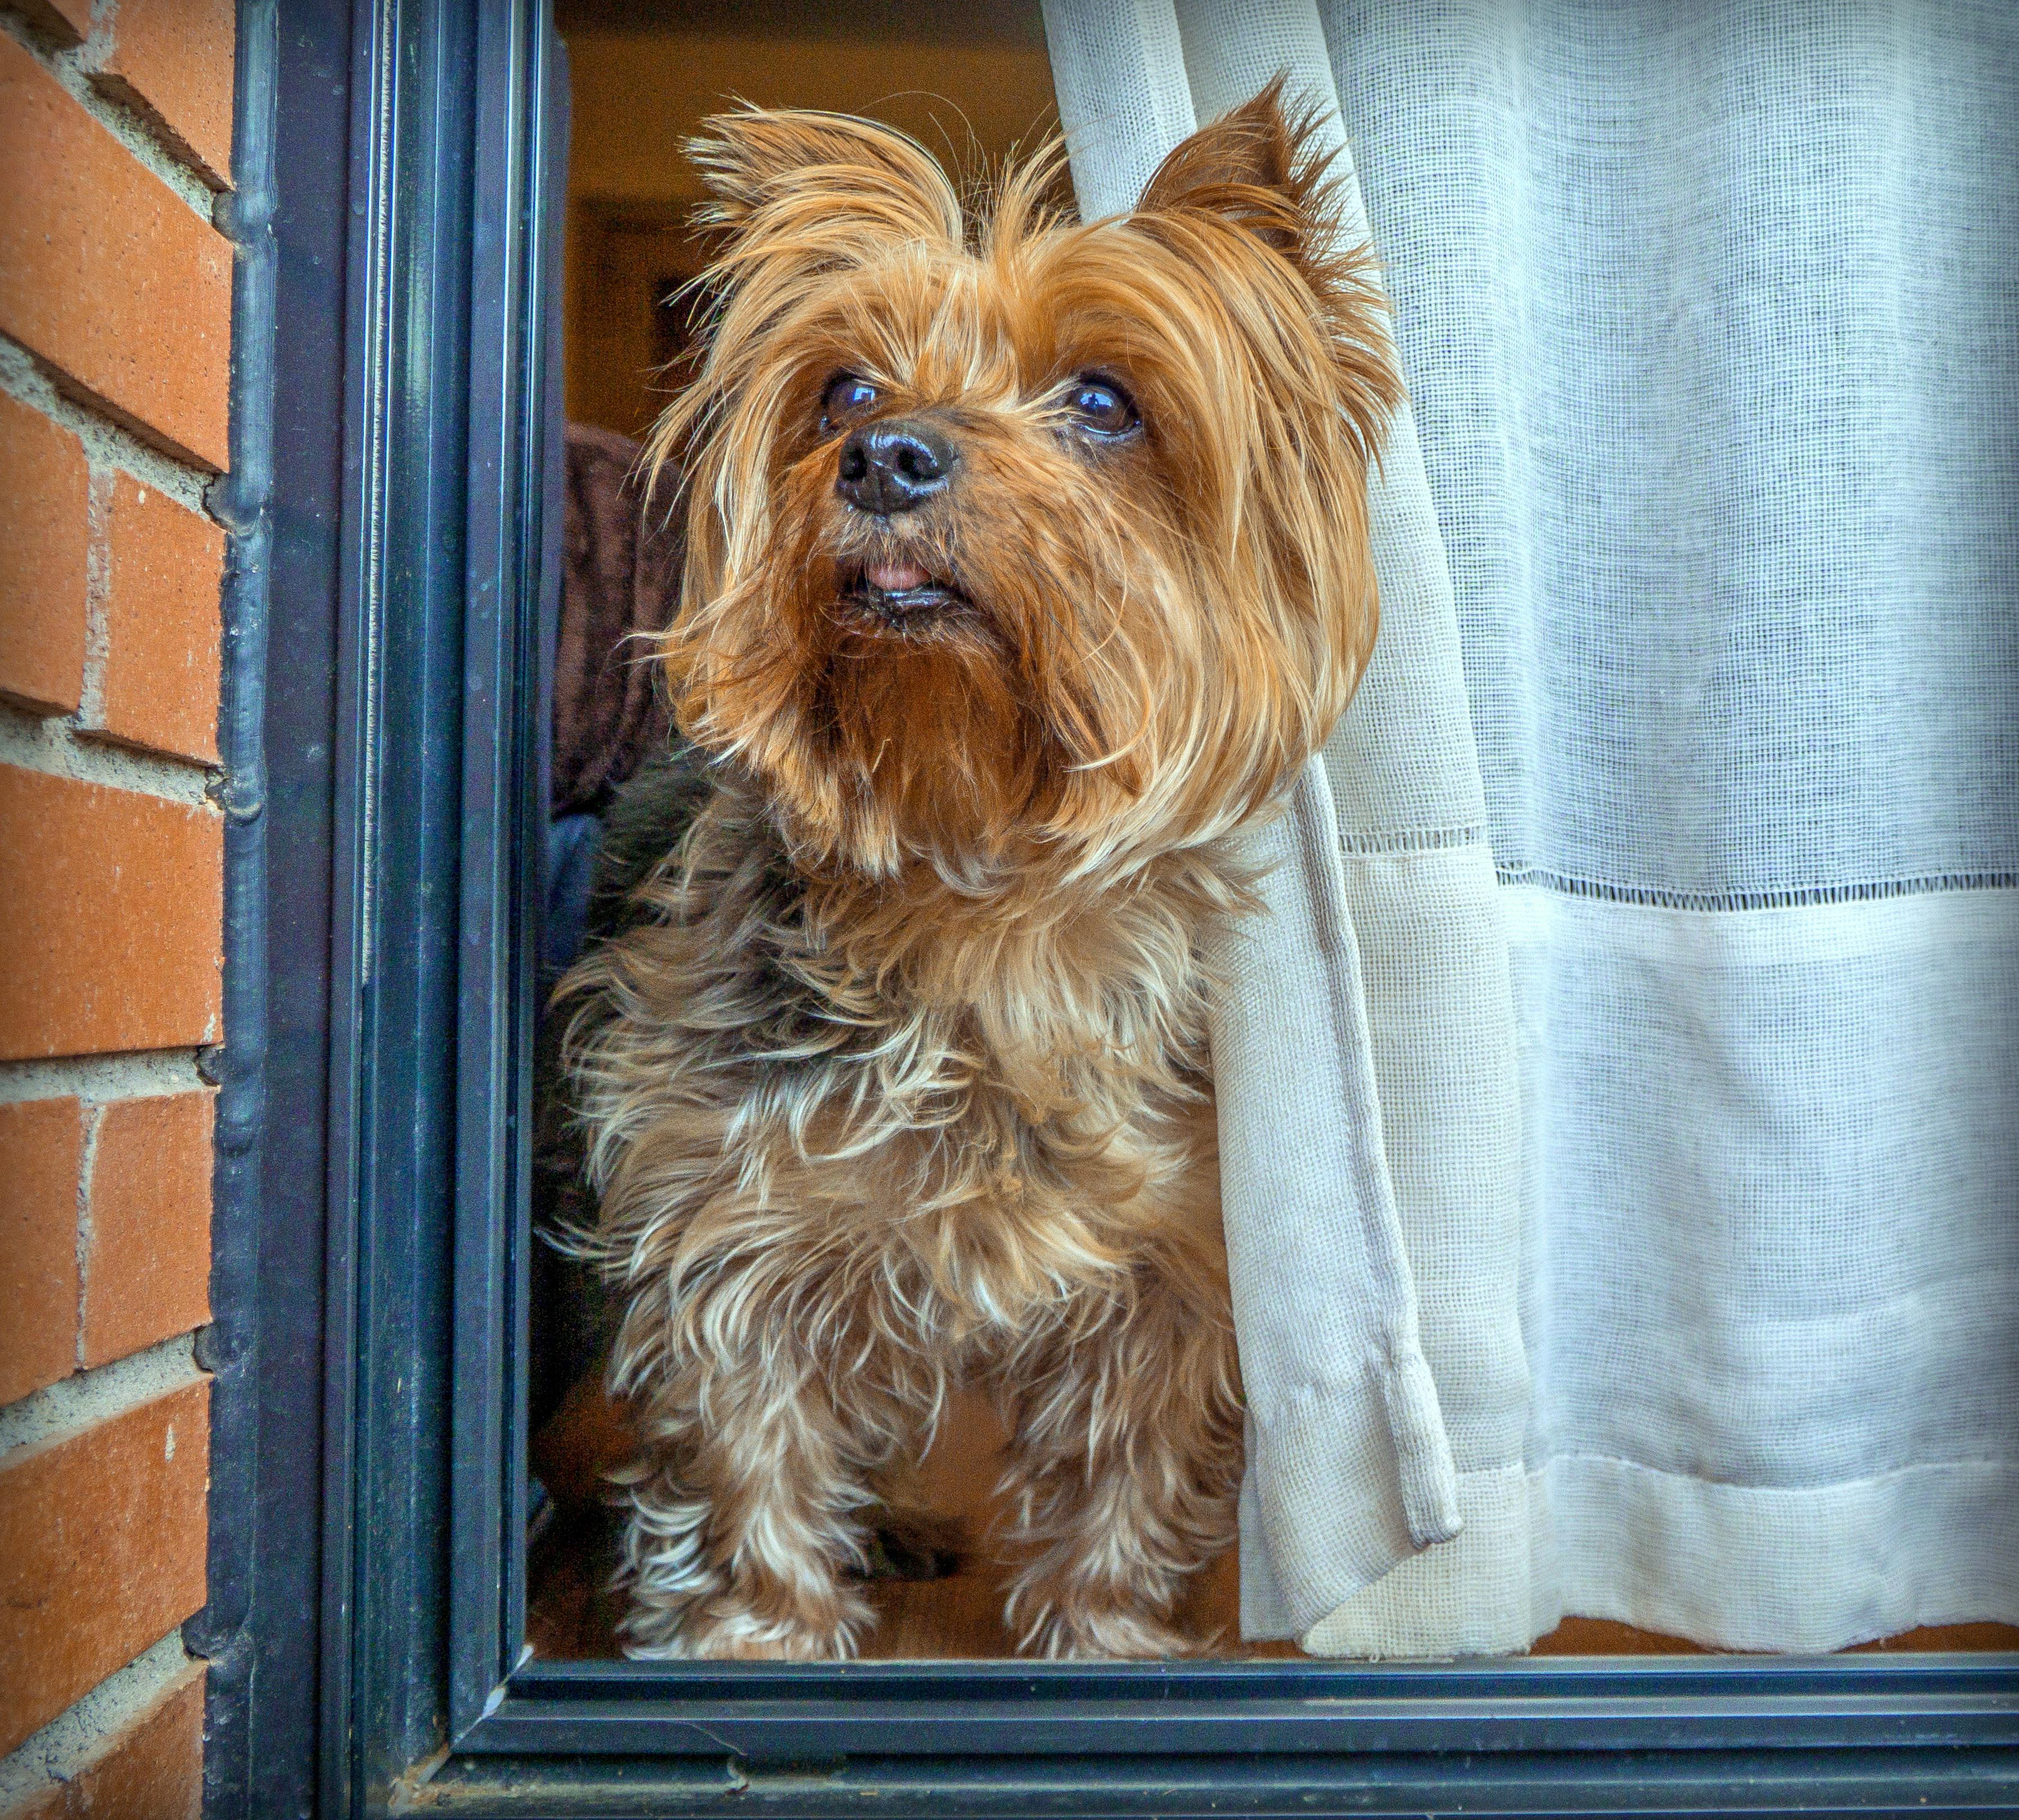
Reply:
x=901, y=596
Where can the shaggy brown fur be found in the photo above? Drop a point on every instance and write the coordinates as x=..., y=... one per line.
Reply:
x=899, y=1077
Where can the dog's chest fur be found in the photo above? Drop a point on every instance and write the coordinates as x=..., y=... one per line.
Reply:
x=969, y=1114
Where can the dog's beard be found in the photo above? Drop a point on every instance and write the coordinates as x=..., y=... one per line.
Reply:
x=932, y=734
x=889, y=724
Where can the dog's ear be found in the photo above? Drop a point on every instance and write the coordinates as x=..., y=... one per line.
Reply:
x=797, y=195
x=1256, y=168
x=821, y=184
x=1261, y=171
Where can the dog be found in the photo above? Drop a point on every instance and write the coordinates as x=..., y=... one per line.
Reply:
x=1027, y=565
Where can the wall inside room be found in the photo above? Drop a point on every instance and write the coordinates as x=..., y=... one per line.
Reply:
x=970, y=83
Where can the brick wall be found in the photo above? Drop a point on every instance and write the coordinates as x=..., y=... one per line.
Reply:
x=115, y=319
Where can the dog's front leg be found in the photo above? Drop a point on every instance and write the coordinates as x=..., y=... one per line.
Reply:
x=743, y=1517
x=1126, y=1462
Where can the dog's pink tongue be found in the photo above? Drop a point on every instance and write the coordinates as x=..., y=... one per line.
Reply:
x=896, y=577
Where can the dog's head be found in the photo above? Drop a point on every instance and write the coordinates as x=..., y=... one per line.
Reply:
x=1024, y=534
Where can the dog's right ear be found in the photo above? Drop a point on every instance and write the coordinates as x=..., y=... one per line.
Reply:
x=823, y=188
x=799, y=195
x=1262, y=174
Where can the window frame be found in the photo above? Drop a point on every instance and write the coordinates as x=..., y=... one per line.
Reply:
x=402, y=737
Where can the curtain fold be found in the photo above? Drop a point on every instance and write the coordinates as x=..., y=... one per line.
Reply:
x=1350, y=1470
x=1678, y=816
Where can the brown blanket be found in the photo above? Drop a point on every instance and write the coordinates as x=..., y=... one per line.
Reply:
x=620, y=579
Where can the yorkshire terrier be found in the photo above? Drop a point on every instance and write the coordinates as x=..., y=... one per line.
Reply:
x=1027, y=563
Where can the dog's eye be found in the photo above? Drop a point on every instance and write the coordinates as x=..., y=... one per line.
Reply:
x=845, y=396
x=1102, y=408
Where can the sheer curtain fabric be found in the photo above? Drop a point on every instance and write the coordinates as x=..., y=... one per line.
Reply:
x=1678, y=817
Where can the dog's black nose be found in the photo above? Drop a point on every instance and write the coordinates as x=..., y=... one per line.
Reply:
x=891, y=467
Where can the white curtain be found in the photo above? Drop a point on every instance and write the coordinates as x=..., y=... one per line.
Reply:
x=1680, y=812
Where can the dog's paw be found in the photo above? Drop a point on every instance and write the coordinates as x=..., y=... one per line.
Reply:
x=717, y=1635
x=1107, y=1636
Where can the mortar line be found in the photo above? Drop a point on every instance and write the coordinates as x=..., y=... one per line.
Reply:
x=68, y=1744
x=93, y=1117
x=56, y=747
x=73, y=67
x=75, y=1405
x=100, y=1079
x=27, y=380
x=97, y=588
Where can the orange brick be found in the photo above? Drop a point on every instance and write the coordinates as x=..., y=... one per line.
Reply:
x=113, y=904
x=68, y=21
x=146, y=1259
x=101, y=1553
x=45, y=485
x=41, y=1144
x=171, y=61
x=106, y=273
x=151, y=1768
x=161, y=623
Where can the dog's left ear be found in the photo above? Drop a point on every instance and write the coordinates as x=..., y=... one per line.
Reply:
x=1256, y=168
x=1260, y=170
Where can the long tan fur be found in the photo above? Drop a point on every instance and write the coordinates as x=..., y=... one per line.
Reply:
x=900, y=1078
